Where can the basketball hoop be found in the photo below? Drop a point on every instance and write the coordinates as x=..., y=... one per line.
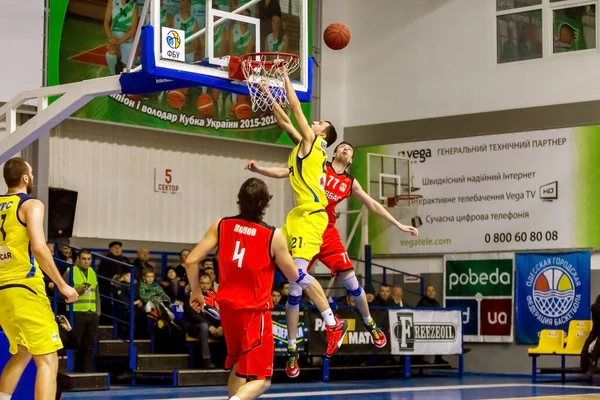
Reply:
x=262, y=70
x=408, y=207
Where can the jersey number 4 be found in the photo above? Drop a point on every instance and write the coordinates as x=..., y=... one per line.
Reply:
x=238, y=254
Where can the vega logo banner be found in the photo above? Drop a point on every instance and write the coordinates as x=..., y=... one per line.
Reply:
x=483, y=287
x=552, y=289
x=421, y=332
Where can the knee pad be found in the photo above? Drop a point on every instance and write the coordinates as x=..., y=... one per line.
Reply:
x=304, y=280
x=352, y=286
x=294, y=297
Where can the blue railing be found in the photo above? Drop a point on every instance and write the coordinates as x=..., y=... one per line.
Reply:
x=369, y=264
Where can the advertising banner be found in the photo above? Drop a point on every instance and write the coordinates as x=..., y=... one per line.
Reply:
x=551, y=290
x=280, y=333
x=483, y=287
x=522, y=191
x=425, y=332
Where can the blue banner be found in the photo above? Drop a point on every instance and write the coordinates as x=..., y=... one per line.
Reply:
x=551, y=290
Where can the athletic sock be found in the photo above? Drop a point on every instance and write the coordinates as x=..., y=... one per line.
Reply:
x=292, y=348
x=111, y=60
x=328, y=317
x=368, y=320
x=4, y=396
x=234, y=398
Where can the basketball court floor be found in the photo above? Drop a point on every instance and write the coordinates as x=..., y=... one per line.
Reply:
x=467, y=388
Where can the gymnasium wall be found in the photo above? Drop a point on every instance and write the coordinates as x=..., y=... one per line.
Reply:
x=113, y=169
x=420, y=59
x=22, y=66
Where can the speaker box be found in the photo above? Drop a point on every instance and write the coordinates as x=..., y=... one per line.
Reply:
x=62, y=204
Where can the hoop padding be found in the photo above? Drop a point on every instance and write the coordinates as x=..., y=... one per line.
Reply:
x=264, y=74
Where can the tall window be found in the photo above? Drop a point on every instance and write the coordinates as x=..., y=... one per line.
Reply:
x=529, y=29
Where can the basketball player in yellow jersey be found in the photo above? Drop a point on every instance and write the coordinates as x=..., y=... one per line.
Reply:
x=306, y=223
x=25, y=313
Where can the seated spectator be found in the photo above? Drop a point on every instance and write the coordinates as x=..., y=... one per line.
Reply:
x=383, y=297
x=429, y=299
x=285, y=290
x=174, y=286
x=180, y=269
x=154, y=298
x=275, y=296
x=201, y=325
x=141, y=262
x=121, y=292
x=208, y=263
x=65, y=253
x=396, y=298
x=210, y=271
x=110, y=266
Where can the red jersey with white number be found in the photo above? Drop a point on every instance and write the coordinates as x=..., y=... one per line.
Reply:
x=246, y=268
x=338, y=187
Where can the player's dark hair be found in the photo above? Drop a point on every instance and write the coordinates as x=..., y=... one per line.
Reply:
x=253, y=199
x=341, y=143
x=14, y=169
x=331, y=134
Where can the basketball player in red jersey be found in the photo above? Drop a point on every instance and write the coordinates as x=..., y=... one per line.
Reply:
x=339, y=186
x=248, y=251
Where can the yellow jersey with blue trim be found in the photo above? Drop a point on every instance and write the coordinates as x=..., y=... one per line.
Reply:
x=307, y=174
x=16, y=258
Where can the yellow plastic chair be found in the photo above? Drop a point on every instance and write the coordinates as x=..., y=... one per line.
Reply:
x=576, y=325
x=551, y=341
x=575, y=341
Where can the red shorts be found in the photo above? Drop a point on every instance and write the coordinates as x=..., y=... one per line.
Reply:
x=250, y=344
x=333, y=253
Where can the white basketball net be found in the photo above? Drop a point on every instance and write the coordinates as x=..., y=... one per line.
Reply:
x=262, y=72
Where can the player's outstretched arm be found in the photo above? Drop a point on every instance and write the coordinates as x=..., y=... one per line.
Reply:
x=306, y=131
x=380, y=210
x=191, y=264
x=33, y=215
x=281, y=117
x=282, y=257
x=271, y=172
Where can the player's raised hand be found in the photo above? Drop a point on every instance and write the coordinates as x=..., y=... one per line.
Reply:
x=197, y=301
x=70, y=294
x=409, y=229
x=252, y=166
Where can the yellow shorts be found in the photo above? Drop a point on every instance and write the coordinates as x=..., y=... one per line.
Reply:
x=304, y=228
x=27, y=318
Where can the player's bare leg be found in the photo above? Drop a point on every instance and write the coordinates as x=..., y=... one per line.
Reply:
x=45, y=379
x=11, y=374
x=240, y=389
x=335, y=329
x=360, y=298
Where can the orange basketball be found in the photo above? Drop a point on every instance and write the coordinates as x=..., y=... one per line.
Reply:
x=176, y=97
x=206, y=105
x=243, y=111
x=336, y=36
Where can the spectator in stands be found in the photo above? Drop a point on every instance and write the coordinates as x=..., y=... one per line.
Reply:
x=396, y=298
x=210, y=271
x=275, y=296
x=200, y=325
x=180, y=269
x=285, y=287
x=109, y=268
x=121, y=292
x=154, y=298
x=86, y=311
x=141, y=262
x=383, y=297
x=173, y=286
x=429, y=299
x=65, y=253
x=593, y=356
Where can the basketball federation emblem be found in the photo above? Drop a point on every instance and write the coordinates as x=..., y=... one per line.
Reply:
x=553, y=299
